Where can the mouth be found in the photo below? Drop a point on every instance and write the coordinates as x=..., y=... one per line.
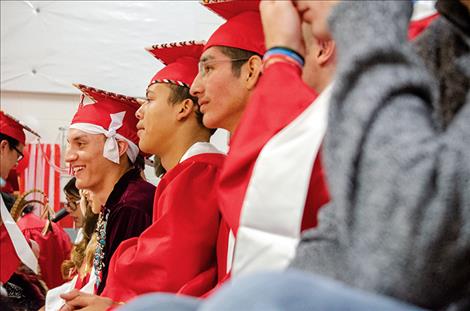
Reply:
x=202, y=105
x=76, y=169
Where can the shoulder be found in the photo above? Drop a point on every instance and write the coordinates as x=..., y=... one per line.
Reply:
x=197, y=163
x=137, y=198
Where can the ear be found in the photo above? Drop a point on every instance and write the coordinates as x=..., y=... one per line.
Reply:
x=253, y=71
x=4, y=144
x=122, y=146
x=185, y=109
x=326, y=52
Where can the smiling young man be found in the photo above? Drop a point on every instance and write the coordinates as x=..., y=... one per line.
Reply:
x=102, y=152
x=177, y=253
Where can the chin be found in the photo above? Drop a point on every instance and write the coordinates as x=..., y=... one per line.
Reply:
x=80, y=184
x=144, y=148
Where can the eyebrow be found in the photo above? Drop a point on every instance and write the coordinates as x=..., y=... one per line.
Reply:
x=77, y=138
x=206, y=58
x=147, y=93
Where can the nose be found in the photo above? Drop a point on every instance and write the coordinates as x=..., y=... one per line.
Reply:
x=139, y=114
x=70, y=155
x=197, y=87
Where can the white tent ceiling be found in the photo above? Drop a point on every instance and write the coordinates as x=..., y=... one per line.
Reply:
x=48, y=45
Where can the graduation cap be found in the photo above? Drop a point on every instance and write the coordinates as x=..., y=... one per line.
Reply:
x=14, y=128
x=110, y=114
x=243, y=28
x=181, y=60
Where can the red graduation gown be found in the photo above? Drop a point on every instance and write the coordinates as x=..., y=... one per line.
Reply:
x=177, y=253
x=280, y=97
x=54, y=248
x=9, y=260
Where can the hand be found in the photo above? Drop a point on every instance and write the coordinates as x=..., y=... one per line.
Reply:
x=316, y=13
x=76, y=300
x=282, y=25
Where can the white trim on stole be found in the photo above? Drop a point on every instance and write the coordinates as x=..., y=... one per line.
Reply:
x=22, y=248
x=272, y=210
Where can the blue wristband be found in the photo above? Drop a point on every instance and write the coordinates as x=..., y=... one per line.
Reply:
x=287, y=52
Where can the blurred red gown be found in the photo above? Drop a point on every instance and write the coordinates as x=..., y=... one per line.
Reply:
x=54, y=248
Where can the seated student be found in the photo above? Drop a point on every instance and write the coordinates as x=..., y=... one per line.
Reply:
x=55, y=245
x=15, y=250
x=177, y=253
x=103, y=147
x=265, y=210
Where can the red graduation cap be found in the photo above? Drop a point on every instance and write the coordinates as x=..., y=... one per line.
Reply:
x=13, y=128
x=181, y=60
x=110, y=114
x=243, y=28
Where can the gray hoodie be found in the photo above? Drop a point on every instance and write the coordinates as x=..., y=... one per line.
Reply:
x=398, y=223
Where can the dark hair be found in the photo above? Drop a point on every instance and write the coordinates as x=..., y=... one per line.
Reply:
x=180, y=93
x=71, y=190
x=11, y=141
x=158, y=167
x=139, y=162
x=28, y=209
x=8, y=199
x=235, y=53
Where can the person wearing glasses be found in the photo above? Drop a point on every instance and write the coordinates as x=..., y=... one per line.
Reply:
x=54, y=246
x=73, y=206
x=12, y=142
x=263, y=209
x=15, y=249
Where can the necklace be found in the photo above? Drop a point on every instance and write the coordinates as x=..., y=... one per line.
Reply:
x=98, y=259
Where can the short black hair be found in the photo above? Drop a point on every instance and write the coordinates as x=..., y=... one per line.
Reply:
x=180, y=93
x=13, y=143
x=235, y=53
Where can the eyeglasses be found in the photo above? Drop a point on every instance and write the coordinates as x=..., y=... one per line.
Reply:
x=20, y=154
x=73, y=205
x=204, y=66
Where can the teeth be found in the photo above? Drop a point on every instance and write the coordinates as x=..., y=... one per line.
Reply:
x=77, y=169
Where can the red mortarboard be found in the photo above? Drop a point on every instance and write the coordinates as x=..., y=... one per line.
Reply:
x=243, y=29
x=181, y=60
x=112, y=115
x=13, y=128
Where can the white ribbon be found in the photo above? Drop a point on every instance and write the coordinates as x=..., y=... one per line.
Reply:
x=111, y=149
x=22, y=249
x=53, y=300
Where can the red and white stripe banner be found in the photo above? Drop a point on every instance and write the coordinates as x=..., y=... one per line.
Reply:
x=42, y=172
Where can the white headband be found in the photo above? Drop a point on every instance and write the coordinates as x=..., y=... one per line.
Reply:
x=110, y=150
